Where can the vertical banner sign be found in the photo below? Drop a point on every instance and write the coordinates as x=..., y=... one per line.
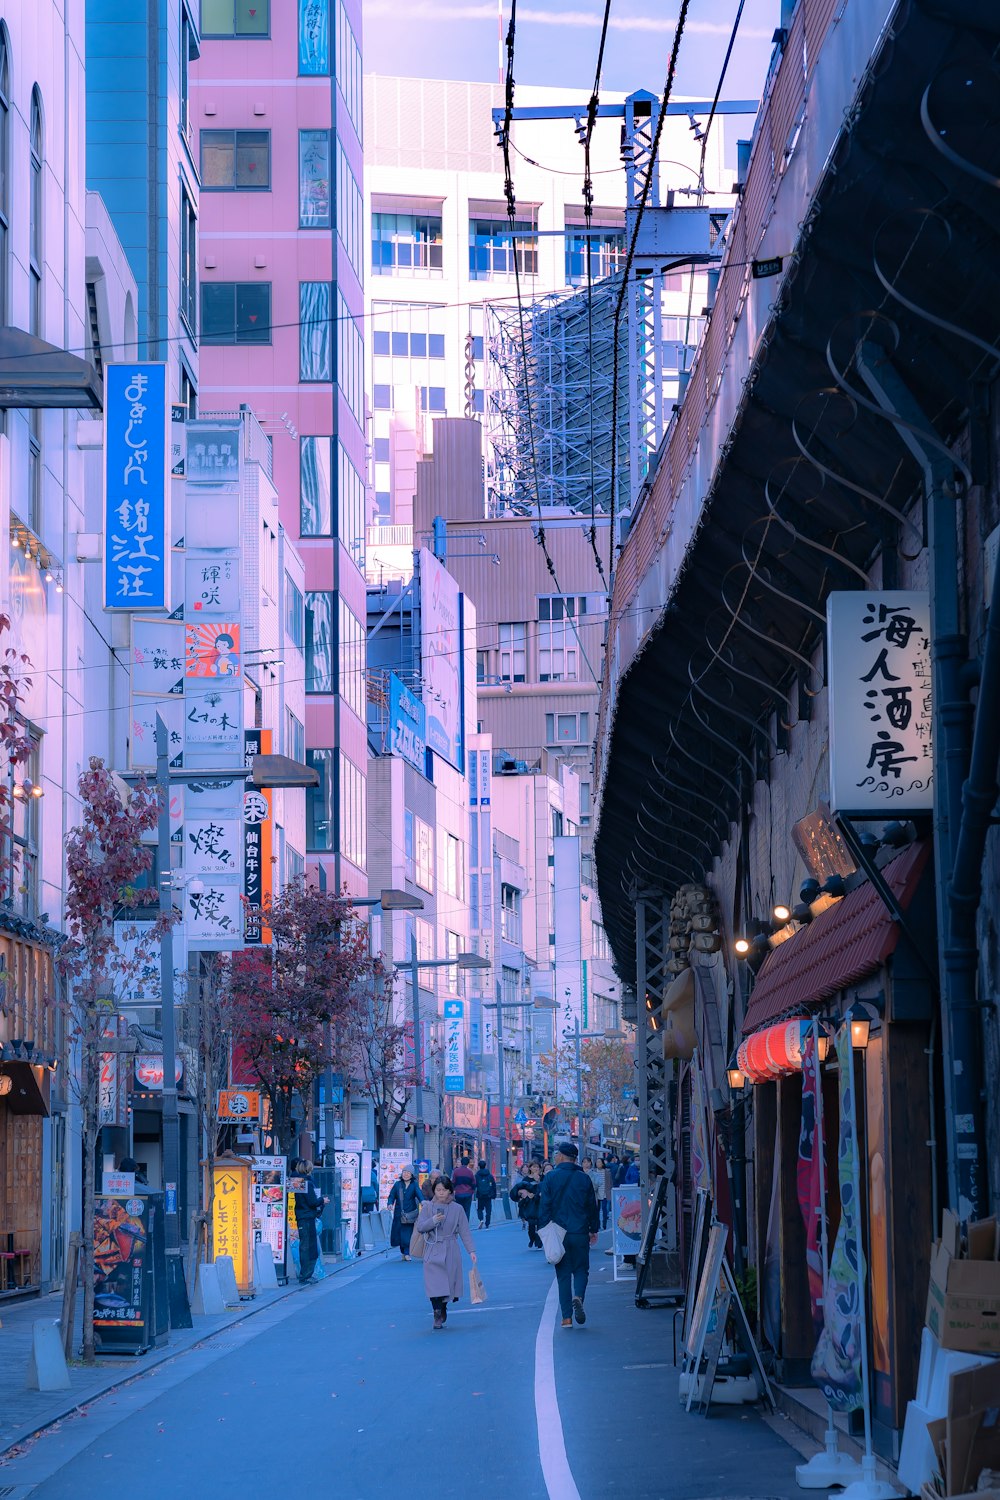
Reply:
x=270, y=1199
x=881, y=756
x=113, y=1077
x=231, y=1232
x=136, y=487
x=391, y=1162
x=808, y=1178
x=348, y=1164
x=836, y=1365
x=454, y=1046
x=257, y=870
x=441, y=659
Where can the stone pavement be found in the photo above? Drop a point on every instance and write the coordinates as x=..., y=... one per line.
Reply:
x=24, y=1413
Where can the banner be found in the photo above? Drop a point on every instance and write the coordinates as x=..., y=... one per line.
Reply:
x=391, y=1162
x=809, y=1178
x=836, y=1365
x=348, y=1164
x=407, y=724
x=454, y=1046
x=881, y=756
x=136, y=486
x=626, y=1219
x=257, y=826
x=701, y=1169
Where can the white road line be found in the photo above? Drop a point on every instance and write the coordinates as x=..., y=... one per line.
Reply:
x=556, y=1472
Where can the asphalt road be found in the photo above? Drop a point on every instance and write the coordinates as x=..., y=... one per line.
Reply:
x=344, y=1391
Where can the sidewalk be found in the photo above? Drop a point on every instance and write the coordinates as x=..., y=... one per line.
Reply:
x=24, y=1413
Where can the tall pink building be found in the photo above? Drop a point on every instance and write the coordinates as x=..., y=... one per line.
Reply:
x=276, y=101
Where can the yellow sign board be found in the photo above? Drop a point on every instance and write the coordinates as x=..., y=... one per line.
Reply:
x=232, y=1232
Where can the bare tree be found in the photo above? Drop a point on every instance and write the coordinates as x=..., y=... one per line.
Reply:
x=377, y=1046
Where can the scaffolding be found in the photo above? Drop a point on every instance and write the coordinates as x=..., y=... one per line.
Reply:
x=568, y=351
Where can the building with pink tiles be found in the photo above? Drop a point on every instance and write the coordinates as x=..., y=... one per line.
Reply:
x=276, y=100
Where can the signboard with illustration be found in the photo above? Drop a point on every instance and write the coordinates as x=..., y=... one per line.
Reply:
x=136, y=486
x=122, y=1274
x=391, y=1161
x=626, y=1219
x=231, y=1227
x=270, y=1206
x=348, y=1164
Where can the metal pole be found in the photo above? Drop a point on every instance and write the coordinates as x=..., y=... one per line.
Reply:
x=504, y=1155
x=418, y=1129
x=180, y=1316
x=579, y=1087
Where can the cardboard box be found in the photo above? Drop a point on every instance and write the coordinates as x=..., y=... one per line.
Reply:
x=963, y=1302
x=973, y=1426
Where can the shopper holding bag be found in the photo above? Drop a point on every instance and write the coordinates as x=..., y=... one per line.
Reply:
x=568, y=1203
x=404, y=1199
x=443, y=1223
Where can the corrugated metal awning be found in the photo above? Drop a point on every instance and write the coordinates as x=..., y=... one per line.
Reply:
x=841, y=946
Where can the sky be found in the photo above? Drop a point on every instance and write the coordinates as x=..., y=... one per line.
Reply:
x=557, y=41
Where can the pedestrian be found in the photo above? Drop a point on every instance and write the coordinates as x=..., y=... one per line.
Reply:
x=486, y=1191
x=309, y=1203
x=596, y=1175
x=525, y=1195
x=443, y=1223
x=631, y=1174
x=547, y=1167
x=465, y=1186
x=129, y=1164
x=404, y=1199
x=604, y=1199
x=427, y=1185
x=568, y=1198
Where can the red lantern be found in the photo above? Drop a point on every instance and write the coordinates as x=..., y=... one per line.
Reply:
x=773, y=1052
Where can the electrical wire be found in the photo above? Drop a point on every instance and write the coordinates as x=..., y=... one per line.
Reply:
x=643, y=199
x=588, y=213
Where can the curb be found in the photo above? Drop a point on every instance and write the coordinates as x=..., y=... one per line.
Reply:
x=156, y=1357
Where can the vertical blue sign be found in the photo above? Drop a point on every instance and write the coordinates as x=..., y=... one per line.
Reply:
x=136, y=479
x=314, y=37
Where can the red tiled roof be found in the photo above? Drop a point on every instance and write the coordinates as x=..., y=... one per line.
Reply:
x=838, y=947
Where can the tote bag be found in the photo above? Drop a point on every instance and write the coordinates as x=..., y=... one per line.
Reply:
x=553, y=1234
x=418, y=1244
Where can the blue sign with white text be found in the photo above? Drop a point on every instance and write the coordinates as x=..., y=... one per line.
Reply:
x=407, y=724
x=136, y=487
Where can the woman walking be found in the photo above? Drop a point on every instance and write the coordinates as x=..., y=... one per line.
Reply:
x=443, y=1223
x=404, y=1199
x=525, y=1195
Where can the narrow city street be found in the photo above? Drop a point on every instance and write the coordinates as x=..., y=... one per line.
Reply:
x=344, y=1388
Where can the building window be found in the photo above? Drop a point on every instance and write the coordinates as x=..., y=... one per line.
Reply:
x=35, y=470
x=423, y=854
x=350, y=506
x=567, y=729
x=235, y=17
x=235, y=161
x=558, y=634
x=607, y=253
x=382, y=397
x=511, y=642
x=24, y=831
x=188, y=51
x=350, y=213
x=510, y=914
x=35, y=207
x=295, y=737
x=406, y=244
x=314, y=38
x=599, y=941
x=315, y=492
x=349, y=69
x=320, y=818
x=352, y=813
x=452, y=872
x=314, y=179
x=236, y=312
x=319, y=642
x=351, y=658
x=585, y=807
x=189, y=262
x=510, y=994
x=493, y=246
x=295, y=864
x=294, y=614
x=315, y=345
x=482, y=665
x=350, y=360
x=4, y=172
x=432, y=398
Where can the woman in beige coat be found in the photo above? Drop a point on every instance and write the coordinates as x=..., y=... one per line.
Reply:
x=443, y=1223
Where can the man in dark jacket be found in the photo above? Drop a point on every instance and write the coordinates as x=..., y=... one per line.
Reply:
x=463, y=1181
x=309, y=1202
x=568, y=1198
x=486, y=1191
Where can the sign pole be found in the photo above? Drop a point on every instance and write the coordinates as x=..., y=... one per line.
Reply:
x=418, y=1129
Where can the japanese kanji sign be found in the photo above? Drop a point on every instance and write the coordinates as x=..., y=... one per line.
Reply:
x=213, y=916
x=257, y=872
x=136, y=487
x=158, y=657
x=454, y=1046
x=211, y=586
x=213, y=846
x=213, y=650
x=881, y=755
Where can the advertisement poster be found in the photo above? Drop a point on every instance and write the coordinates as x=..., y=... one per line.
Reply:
x=269, y=1195
x=441, y=658
x=348, y=1164
x=121, y=1284
x=231, y=1217
x=391, y=1162
x=626, y=1219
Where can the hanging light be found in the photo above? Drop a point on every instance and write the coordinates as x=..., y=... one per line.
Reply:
x=782, y=913
x=735, y=1074
x=15, y=540
x=823, y=1046
x=860, y=1023
x=48, y=576
x=742, y=946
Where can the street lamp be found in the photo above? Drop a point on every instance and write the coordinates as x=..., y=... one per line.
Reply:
x=390, y=900
x=415, y=964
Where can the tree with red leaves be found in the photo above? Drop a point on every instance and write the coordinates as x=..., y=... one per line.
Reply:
x=105, y=857
x=291, y=1001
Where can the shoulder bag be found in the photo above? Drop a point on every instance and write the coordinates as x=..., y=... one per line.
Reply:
x=418, y=1244
x=553, y=1234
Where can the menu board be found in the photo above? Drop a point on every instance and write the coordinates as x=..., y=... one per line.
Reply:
x=269, y=1200
x=122, y=1275
x=391, y=1161
x=348, y=1164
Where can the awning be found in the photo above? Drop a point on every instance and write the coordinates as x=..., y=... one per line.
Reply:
x=839, y=947
x=29, y=1094
x=36, y=374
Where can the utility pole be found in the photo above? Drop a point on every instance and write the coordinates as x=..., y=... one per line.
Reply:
x=180, y=1312
x=418, y=1054
x=504, y=1173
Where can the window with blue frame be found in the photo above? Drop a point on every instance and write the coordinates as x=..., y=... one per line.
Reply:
x=349, y=68
x=607, y=253
x=315, y=486
x=314, y=179
x=319, y=641
x=315, y=343
x=406, y=244
x=493, y=246
x=232, y=18
x=350, y=506
x=352, y=812
x=321, y=821
x=350, y=360
x=350, y=213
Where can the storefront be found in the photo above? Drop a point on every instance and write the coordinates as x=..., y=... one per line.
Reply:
x=856, y=969
x=28, y=1059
